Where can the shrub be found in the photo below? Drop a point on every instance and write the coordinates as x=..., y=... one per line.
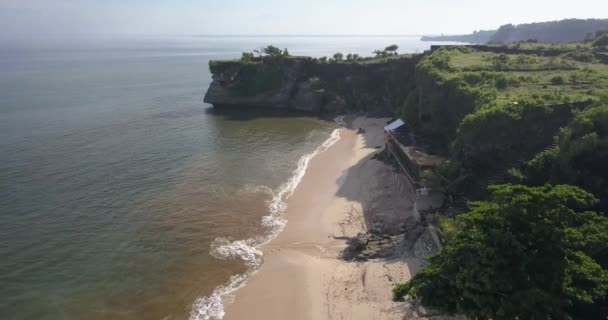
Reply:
x=601, y=41
x=501, y=82
x=447, y=228
x=557, y=80
x=581, y=56
x=526, y=253
x=472, y=78
x=274, y=51
x=501, y=61
x=574, y=79
x=247, y=57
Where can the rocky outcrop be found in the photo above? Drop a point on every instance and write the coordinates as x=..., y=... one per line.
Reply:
x=376, y=87
x=249, y=84
x=306, y=98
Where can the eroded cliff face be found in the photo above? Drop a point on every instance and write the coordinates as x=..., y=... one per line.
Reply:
x=377, y=87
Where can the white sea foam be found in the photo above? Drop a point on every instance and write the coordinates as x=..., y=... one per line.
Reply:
x=211, y=307
x=257, y=189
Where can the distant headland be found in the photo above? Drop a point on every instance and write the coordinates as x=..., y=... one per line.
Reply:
x=569, y=30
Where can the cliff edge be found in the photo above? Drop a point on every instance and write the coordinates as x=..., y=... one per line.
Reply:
x=307, y=84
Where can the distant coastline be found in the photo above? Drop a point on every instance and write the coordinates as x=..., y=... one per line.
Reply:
x=568, y=30
x=307, y=35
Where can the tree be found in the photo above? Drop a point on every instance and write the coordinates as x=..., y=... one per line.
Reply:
x=599, y=33
x=380, y=53
x=527, y=253
x=338, y=56
x=392, y=48
x=247, y=57
x=323, y=59
x=581, y=156
x=349, y=57
x=601, y=41
x=273, y=51
x=355, y=57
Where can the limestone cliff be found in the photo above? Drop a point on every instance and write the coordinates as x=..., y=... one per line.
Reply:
x=307, y=84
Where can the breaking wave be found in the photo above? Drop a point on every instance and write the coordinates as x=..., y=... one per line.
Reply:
x=211, y=307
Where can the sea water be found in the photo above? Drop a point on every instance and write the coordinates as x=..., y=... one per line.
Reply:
x=123, y=195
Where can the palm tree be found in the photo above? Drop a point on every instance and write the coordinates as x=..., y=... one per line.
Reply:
x=379, y=53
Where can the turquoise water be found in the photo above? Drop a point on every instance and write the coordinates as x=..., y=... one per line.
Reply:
x=115, y=177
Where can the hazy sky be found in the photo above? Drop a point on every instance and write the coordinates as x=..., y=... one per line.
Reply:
x=281, y=16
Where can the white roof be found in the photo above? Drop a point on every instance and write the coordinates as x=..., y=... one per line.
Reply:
x=394, y=125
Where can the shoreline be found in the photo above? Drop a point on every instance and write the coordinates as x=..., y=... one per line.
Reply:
x=212, y=306
x=306, y=271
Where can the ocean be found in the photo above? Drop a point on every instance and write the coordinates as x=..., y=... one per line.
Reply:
x=122, y=194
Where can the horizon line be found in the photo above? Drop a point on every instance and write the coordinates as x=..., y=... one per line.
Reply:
x=306, y=35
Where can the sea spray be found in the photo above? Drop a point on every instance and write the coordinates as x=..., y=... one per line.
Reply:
x=211, y=307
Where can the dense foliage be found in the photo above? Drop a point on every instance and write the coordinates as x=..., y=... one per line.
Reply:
x=526, y=253
x=580, y=157
x=489, y=112
x=343, y=83
x=259, y=77
x=601, y=41
x=259, y=71
x=529, y=113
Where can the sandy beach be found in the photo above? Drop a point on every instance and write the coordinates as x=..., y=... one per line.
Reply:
x=316, y=268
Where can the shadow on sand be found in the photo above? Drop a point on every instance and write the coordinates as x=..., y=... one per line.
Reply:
x=395, y=232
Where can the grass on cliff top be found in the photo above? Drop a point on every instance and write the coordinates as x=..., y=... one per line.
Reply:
x=575, y=75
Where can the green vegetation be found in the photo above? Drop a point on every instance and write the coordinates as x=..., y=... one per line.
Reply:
x=490, y=111
x=258, y=78
x=526, y=253
x=601, y=41
x=392, y=49
x=257, y=74
x=266, y=69
x=387, y=52
x=272, y=51
x=447, y=229
x=529, y=113
x=580, y=156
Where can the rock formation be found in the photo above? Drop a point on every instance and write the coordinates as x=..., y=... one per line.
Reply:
x=307, y=84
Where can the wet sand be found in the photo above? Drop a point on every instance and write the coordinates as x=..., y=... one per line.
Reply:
x=305, y=276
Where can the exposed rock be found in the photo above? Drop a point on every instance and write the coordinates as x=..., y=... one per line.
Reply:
x=374, y=87
x=223, y=90
x=336, y=105
x=307, y=99
x=426, y=244
x=367, y=246
x=425, y=312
